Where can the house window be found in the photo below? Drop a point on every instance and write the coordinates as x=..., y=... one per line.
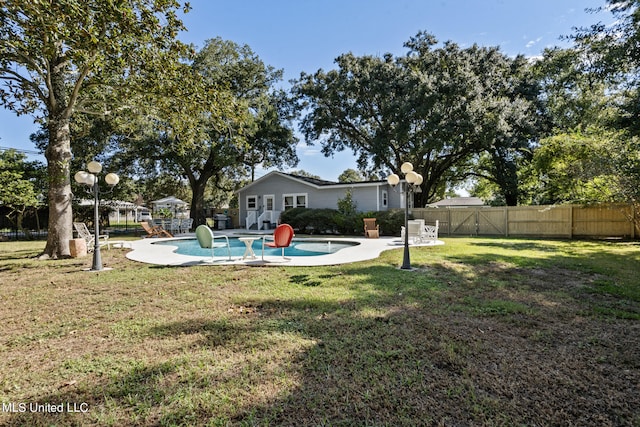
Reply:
x=385, y=198
x=291, y=201
x=252, y=203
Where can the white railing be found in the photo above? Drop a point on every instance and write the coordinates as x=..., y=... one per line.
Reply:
x=275, y=215
x=268, y=216
x=250, y=219
x=264, y=216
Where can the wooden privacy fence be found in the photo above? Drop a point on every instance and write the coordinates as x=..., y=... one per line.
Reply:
x=546, y=221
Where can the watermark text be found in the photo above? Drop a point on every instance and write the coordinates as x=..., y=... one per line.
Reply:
x=45, y=407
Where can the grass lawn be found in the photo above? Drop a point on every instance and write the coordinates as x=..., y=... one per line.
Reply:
x=485, y=331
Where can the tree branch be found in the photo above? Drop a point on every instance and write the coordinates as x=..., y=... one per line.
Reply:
x=25, y=82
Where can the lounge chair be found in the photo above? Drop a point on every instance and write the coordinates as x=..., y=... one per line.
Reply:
x=206, y=239
x=154, y=231
x=282, y=237
x=84, y=233
x=371, y=229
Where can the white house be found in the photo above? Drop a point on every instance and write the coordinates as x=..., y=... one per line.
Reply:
x=262, y=201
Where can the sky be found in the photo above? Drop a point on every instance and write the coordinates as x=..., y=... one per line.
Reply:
x=306, y=35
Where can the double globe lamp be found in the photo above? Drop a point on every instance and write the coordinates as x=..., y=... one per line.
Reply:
x=90, y=179
x=411, y=184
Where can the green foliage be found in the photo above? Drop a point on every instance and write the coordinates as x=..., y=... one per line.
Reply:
x=347, y=220
x=574, y=98
x=322, y=221
x=578, y=168
x=17, y=191
x=292, y=217
x=312, y=221
x=611, y=54
x=216, y=121
x=436, y=107
x=301, y=172
x=97, y=57
x=389, y=221
x=350, y=175
x=165, y=213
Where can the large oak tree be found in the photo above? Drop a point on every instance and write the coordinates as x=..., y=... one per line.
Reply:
x=61, y=57
x=225, y=117
x=438, y=107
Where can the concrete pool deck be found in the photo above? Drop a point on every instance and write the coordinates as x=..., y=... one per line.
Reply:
x=145, y=251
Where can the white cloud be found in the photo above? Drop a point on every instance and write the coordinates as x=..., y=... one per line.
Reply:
x=532, y=43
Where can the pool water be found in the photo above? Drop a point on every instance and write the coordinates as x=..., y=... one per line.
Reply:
x=297, y=247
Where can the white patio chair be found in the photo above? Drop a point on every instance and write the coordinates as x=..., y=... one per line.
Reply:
x=419, y=232
x=84, y=233
x=185, y=225
x=174, y=226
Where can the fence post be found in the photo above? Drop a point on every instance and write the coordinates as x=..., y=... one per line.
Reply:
x=571, y=221
x=632, y=206
x=506, y=221
x=477, y=221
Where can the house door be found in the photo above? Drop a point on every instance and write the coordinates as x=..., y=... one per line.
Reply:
x=269, y=202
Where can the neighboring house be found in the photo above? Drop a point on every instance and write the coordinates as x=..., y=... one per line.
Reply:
x=457, y=202
x=119, y=211
x=262, y=201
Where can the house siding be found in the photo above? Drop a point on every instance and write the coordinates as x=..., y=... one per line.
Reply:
x=395, y=197
x=367, y=196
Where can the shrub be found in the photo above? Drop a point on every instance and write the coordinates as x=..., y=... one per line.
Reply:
x=328, y=221
x=347, y=218
x=305, y=220
x=293, y=218
x=320, y=221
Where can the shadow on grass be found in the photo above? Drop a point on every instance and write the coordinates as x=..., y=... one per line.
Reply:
x=406, y=348
x=403, y=367
x=19, y=255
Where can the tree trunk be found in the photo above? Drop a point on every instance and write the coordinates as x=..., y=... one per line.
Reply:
x=197, y=203
x=20, y=226
x=58, y=156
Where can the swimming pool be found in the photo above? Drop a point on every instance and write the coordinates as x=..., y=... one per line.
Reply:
x=298, y=248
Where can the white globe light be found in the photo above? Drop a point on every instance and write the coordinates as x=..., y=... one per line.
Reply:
x=393, y=179
x=112, y=179
x=90, y=179
x=412, y=177
x=94, y=167
x=406, y=167
x=419, y=180
x=81, y=177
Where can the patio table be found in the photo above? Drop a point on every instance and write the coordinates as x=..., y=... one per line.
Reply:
x=248, y=242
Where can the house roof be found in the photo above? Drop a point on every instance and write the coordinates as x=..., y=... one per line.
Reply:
x=457, y=202
x=313, y=182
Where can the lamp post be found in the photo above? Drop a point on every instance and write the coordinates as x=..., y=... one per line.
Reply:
x=90, y=179
x=410, y=185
